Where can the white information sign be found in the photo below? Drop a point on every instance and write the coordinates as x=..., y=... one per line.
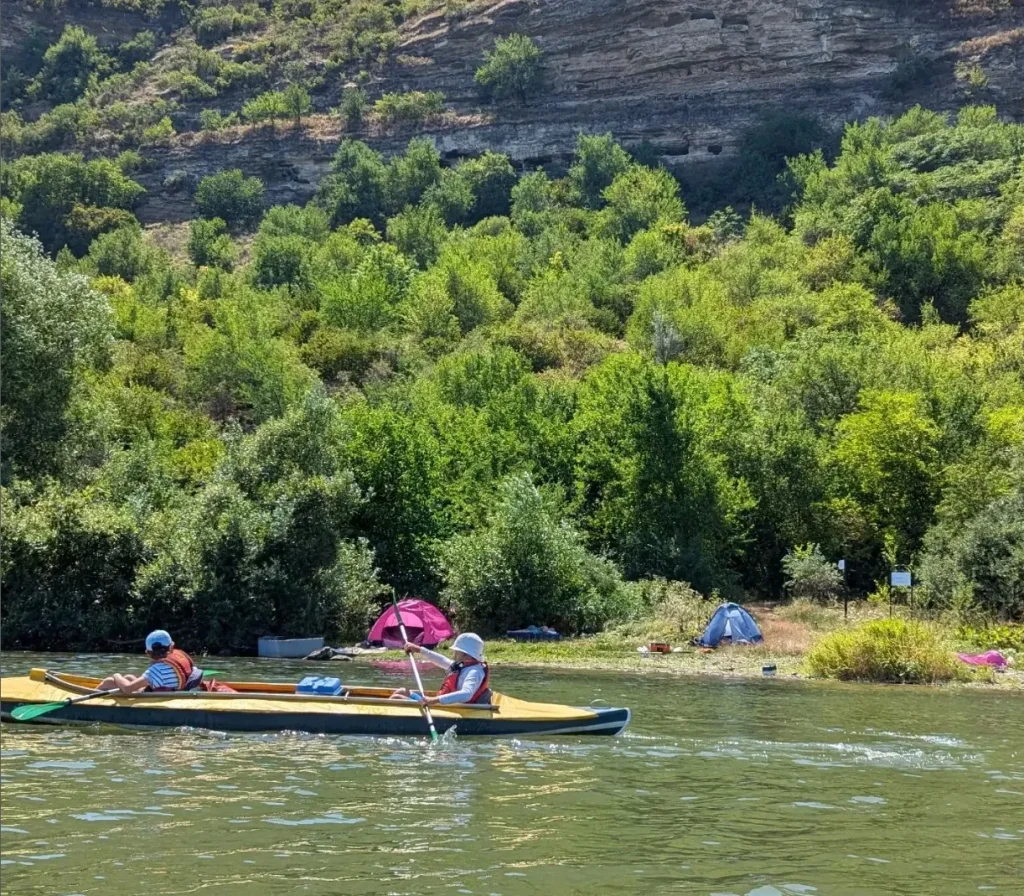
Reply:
x=842, y=565
x=900, y=580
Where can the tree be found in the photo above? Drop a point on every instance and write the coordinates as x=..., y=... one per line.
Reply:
x=70, y=66
x=297, y=102
x=639, y=198
x=67, y=200
x=209, y=244
x=230, y=196
x=54, y=325
x=490, y=178
x=527, y=562
x=887, y=466
x=511, y=69
x=356, y=186
x=267, y=106
x=353, y=107
x=810, y=575
x=596, y=164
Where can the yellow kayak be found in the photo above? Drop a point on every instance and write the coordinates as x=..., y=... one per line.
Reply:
x=267, y=706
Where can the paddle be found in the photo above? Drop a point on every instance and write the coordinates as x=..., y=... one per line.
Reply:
x=34, y=710
x=415, y=668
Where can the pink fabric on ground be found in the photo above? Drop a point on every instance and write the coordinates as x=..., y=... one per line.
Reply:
x=989, y=658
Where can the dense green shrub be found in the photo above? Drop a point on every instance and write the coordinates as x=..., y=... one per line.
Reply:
x=414, y=107
x=70, y=67
x=353, y=107
x=231, y=196
x=511, y=69
x=888, y=650
x=209, y=244
x=54, y=324
x=63, y=198
x=809, y=575
x=527, y=565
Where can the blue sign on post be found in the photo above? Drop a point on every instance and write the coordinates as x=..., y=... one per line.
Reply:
x=900, y=579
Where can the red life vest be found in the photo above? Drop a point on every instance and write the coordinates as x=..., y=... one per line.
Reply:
x=182, y=665
x=451, y=682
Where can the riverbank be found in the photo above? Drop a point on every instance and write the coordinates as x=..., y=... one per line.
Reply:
x=789, y=632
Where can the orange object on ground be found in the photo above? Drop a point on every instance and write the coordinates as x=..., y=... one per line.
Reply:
x=659, y=647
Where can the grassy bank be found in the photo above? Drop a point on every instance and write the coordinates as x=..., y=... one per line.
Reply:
x=790, y=632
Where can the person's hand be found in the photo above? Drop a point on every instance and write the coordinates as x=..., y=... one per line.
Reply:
x=411, y=648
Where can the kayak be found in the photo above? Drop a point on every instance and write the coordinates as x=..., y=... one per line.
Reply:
x=268, y=706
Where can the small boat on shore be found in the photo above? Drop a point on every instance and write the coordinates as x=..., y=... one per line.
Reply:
x=267, y=706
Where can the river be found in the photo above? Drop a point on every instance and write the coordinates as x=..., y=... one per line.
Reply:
x=752, y=788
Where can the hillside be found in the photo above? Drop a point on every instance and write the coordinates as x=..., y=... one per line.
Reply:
x=685, y=82
x=256, y=372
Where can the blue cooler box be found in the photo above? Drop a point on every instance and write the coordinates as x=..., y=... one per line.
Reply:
x=322, y=687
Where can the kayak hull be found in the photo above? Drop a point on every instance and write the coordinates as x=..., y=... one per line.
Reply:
x=255, y=711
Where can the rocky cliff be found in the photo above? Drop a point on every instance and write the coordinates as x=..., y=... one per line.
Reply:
x=688, y=78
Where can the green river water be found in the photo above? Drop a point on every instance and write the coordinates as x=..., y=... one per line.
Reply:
x=754, y=788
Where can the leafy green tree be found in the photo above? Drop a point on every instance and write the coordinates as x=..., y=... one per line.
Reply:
x=268, y=106
x=209, y=244
x=230, y=196
x=596, y=164
x=525, y=564
x=54, y=324
x=512, y=69
x=120, y=253
x=649, y=492
x=65, y=199
x=353, y=107
x=70, y=66
x=356, y=186
x=639, y=198
x=281, y=261
x=887, y=467
x=297, y=102
x=411, y=174
x=490, y=179
x=419, y=233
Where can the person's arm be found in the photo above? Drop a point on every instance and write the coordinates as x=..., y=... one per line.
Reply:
x=472, y=678
x=130, y=684
x=438, y=659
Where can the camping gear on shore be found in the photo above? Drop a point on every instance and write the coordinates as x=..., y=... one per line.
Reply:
x=287, y=648
x=415, y=668
x=264, y=706
x=534, y=633
x=989, y=658
x=426, y=625
x=730, y=623
x=659, y=647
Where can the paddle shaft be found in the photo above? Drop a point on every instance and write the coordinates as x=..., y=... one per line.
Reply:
x=415, y=668
x=34, y=710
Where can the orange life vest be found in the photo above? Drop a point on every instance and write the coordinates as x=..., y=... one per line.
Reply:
x=451, y=682
x=183, y=667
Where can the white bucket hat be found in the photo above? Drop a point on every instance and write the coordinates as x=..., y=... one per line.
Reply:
x=470, y=644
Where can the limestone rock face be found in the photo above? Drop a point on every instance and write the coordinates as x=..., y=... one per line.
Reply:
x=688, y=78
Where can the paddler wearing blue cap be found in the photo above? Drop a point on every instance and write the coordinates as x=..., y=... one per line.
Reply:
x=170, y=669
x=468, y=678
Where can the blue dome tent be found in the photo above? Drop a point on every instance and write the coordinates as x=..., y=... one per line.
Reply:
x=733, y=622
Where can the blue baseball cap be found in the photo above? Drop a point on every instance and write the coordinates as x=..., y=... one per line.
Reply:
x=159, y=637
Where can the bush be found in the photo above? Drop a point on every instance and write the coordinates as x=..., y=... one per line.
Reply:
x=70, y=66
x=665, y=611
x=810, y=575
x=331, y=352
x=54, y=324
x=215, y=120
x=511, y=69
x=120, y=253
x=210, y=245
x=886, y=650
x=268, y=106
x=353, y=107
x=414, y=107
x=992, y=637
x=527, y=565
x=229, y=195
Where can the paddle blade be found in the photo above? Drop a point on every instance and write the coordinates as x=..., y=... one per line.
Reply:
x=34, y=710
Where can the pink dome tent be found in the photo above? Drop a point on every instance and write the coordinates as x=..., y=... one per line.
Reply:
x=424, y=622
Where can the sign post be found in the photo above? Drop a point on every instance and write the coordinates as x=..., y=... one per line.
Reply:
x=841, y=566
x=901, y=578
